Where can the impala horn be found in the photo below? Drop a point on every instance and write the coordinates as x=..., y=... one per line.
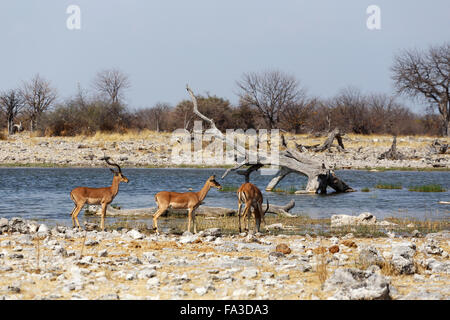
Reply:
x=106, y=158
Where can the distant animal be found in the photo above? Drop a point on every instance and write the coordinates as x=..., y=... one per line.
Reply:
x=185, y=200
x=251, y=196
x=104, y=196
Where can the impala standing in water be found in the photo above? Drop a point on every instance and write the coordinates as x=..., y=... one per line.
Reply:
x=104, y=196
x=185, y=200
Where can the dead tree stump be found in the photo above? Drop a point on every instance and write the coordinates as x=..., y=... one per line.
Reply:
x=392, y=153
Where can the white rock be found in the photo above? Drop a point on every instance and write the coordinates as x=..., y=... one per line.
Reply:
x=201, y=291
x=365, y=218
x=43, y=229
x=152, y=282
x=250, y=273
x=136, y=235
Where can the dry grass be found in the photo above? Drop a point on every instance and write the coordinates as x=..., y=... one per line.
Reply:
x=387, y=268
x=351, y=140
x=321, y=269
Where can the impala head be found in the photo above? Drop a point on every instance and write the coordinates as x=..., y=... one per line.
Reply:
x=118, y=174
x=213, y=183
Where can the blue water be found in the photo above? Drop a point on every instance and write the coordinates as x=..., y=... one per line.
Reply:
x=43, y=193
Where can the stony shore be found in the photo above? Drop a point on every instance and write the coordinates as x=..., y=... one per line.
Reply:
x=155, y=150
x=38, y=262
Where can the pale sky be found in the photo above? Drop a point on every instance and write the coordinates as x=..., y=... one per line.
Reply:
x=162, y=45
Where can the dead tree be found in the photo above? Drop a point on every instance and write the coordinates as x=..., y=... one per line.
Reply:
x=439, y=148
x=335, y=134
x=11, y=103
x=392, y=153
x=289, y=160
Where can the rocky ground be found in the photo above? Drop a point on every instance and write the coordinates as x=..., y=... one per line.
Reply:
x=155, y=149
x=38, y=262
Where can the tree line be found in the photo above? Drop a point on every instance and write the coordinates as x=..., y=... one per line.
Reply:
x=268, y=99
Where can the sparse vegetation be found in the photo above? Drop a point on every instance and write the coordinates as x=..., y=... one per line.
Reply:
x=229, y=188
x=388, y=186
x=428, y=188
x=289, y=190
x=365, y=189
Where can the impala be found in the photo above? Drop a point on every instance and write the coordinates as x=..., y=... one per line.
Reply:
x=186, y=200
x=249, y=194
x=104, y=196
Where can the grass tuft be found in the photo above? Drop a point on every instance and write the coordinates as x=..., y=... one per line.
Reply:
x=229, y=188
x=290, y=190
x=428, y=188
x=388, y=186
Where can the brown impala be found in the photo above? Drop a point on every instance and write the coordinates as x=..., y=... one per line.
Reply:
x=186, y=200
x=104, y=196
x=249, y=194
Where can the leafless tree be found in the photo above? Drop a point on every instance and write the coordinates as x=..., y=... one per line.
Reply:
x=158, y=112
x=349, y=111
x=11, y=102
x=38, y=96
x=297, y=116
x=154, y=118
x=271, y=92
x=426, y=75
x=111, y=83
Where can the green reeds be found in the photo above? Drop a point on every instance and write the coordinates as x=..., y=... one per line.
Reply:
x=388, y=186
x=428, y=188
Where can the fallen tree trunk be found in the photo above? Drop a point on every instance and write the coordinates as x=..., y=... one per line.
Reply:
x=438, y=148
x=335, y=134
x=282, y=211
x=289, y=160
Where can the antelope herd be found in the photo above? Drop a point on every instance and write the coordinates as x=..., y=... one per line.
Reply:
x=247, y=194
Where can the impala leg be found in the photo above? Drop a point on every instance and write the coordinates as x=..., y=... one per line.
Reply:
x=71, y=216
x=246, y=215
x=249, y=216
x=193, y=220
x=189, y=219
x=262, y=217
x=258, y=212
x=159, y=212
x=239, y=215
x=102, y=224
x=76, y=212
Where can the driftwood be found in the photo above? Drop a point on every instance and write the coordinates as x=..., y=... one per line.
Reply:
x=392, y=153
x=335, y=134
x=289, y=160
x=282, y=211
x=439, y=148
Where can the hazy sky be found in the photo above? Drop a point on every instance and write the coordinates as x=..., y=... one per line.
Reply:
x=162, y=45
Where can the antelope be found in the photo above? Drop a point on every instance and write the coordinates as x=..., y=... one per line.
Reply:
x=186, y=200
x=249, y=194
x=104, y=196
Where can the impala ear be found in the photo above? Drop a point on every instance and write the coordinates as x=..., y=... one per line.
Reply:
x=112, y=170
